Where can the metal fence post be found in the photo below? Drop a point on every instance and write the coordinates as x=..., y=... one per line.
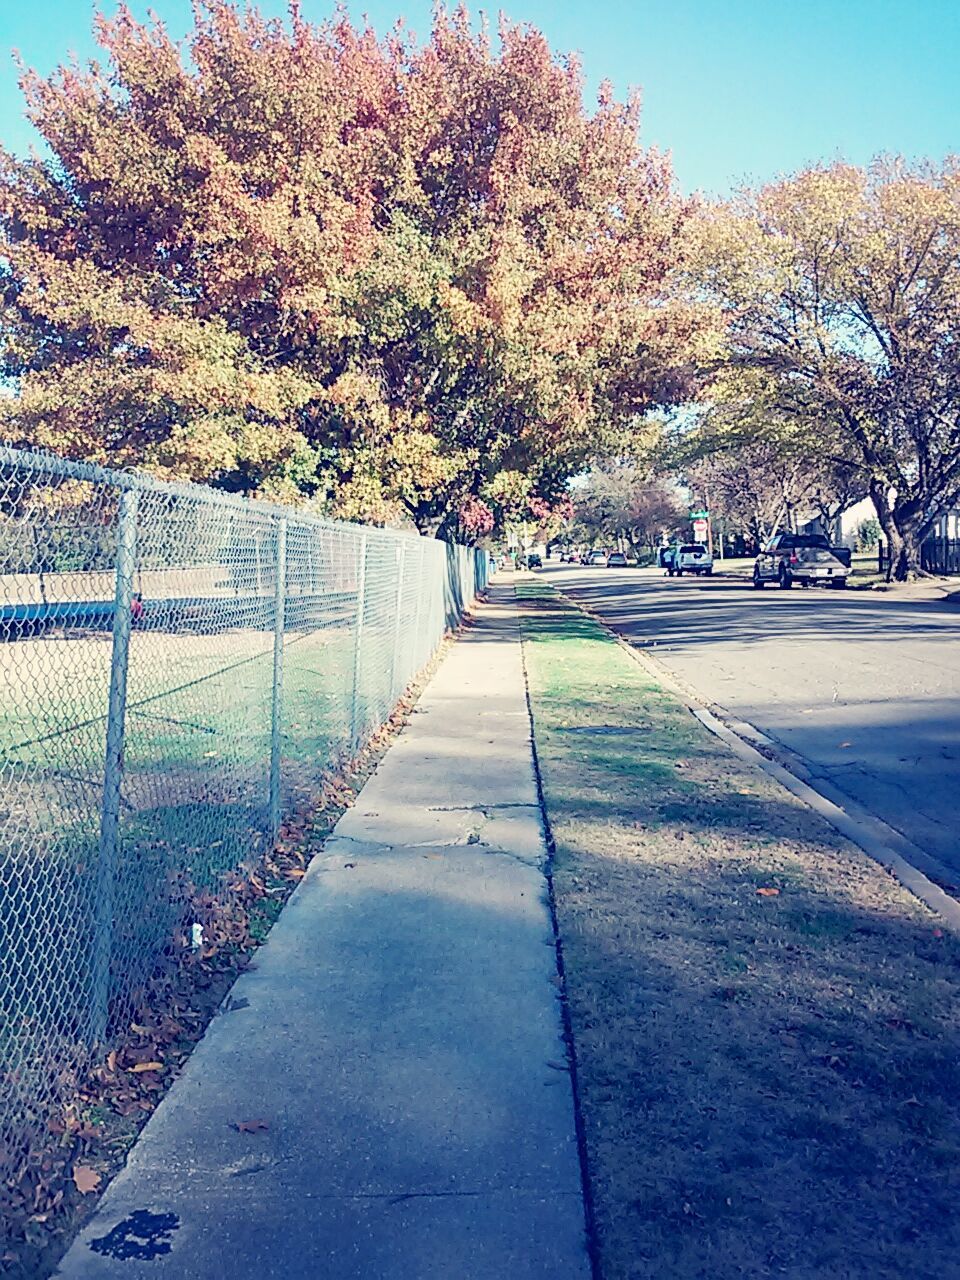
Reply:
x=421, y=584
x=358, y=642
x=280, y=598
x=113, y=760
x=397, y=629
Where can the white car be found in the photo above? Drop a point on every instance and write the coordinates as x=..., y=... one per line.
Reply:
x=690, y=557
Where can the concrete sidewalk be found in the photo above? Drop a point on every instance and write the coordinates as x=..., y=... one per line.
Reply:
x=399, y=1035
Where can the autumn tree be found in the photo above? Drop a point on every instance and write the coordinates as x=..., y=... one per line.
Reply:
x=754, y=489
x=622, y=500
x=310, y=263
x=839, y=289
x=759, y=469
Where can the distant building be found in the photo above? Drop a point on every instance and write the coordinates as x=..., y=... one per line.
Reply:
x=842, y=530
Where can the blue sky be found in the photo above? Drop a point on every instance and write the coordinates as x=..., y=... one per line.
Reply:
x=737, y=90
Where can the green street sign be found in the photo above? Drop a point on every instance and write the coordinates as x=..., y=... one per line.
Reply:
x=699, y=515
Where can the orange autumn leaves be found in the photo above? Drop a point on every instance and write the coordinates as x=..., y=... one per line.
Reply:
x=311, y=263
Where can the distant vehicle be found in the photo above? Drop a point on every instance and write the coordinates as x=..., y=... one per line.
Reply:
x=801, y=557
x=616, y=560
x=534, y=560
x=596, y=557
x=690, y=557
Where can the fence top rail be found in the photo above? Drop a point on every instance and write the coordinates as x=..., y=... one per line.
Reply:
x=41, y=463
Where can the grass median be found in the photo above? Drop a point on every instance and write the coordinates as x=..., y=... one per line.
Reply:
x=766, y=1024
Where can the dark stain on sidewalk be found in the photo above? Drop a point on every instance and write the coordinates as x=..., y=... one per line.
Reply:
x=140, y=1237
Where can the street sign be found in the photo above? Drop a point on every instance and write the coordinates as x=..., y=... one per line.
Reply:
x=699, y=515
x=700, y=530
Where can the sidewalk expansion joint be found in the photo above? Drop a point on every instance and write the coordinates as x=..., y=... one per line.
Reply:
x=477, y=845
x=483, y=808
x=398, y=1197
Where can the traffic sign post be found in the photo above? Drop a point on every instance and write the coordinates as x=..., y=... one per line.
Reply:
x=702, y=531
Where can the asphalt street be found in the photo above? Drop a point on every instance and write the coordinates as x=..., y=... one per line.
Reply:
x=864, y=687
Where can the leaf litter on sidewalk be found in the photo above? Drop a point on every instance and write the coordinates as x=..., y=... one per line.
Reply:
x=765, y=1022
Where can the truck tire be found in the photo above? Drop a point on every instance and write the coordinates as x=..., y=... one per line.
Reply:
x=785, y=578
x=758, y=582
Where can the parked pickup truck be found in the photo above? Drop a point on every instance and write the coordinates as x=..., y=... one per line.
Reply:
x=801, y=557
x=690, y=557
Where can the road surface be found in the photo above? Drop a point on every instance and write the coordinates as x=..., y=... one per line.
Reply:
x=864, y=687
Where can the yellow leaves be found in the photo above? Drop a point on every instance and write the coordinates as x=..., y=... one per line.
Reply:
x=417, y=458
x=509, y=488
x=354, y=390
x=465, y=316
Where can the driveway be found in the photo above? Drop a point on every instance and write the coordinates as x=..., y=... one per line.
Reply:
x=865, y=688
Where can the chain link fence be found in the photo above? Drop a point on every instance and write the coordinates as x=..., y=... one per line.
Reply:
x=179, y=670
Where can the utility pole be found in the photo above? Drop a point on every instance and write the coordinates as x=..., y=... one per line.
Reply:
x=709, y=510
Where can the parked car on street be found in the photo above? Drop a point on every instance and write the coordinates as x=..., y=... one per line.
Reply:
x=801, y=557
x=596, y=557
x=690, y=557
x=616, y=560
x=534, y=560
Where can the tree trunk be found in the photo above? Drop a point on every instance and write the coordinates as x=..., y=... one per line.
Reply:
x=907, y=565
x=904, y=532
x=428, y=522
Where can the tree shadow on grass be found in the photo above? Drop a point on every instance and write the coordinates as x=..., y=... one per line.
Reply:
x=767, y=1027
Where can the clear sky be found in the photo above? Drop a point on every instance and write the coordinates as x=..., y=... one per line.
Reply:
x=736, y=89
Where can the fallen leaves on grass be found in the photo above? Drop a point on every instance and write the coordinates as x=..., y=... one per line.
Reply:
x=250, y=1126
x=768, y=892
x=146, y=1066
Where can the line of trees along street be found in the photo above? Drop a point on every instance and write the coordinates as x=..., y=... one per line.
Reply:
x=622, y=503
x=839, y=338
x=424, y=283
